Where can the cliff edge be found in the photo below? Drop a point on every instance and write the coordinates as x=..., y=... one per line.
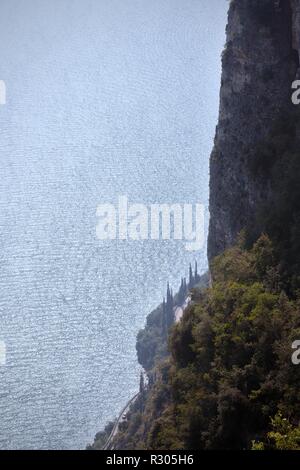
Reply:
x=259, y=64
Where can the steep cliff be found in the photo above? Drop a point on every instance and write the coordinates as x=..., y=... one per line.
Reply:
x=260, y=62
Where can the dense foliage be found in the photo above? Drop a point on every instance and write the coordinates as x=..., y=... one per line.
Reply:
x=284, y=436
x=230, y=370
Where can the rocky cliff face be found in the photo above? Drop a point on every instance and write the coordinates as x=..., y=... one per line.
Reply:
x=260, y=62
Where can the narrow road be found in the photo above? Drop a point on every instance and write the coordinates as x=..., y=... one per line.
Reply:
x=120, y=419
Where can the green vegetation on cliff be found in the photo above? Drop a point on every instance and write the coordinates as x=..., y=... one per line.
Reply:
x=230, y=369
x=226, y=379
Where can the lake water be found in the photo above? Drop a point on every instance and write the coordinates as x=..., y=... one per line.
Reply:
x=104, y=98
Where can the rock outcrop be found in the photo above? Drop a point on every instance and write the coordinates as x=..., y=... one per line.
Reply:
x=260, y=62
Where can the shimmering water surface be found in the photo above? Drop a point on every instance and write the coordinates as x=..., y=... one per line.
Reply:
x=104, y=98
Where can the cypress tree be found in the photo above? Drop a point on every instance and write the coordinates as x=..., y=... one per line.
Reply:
x=142, y=383
x=191, y=277
x=197, y=277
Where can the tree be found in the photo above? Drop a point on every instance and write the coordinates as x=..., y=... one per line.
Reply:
x=142, y=382
x=169, y=308
x=191, y=277
x=197, y=277
x=284, y=436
